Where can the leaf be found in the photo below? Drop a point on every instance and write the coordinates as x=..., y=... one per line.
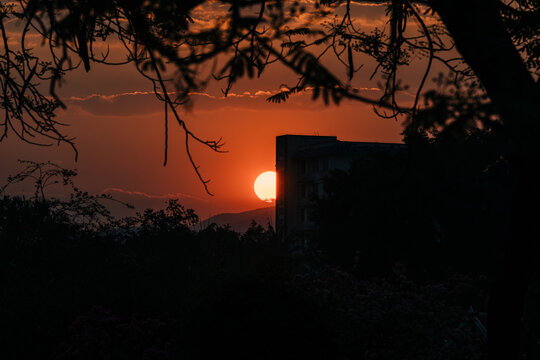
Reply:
x=325, y=92
x=316, y=92
x=279, y=97
x=299, y=31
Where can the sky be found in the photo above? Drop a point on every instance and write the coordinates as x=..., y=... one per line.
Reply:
x=119, y=130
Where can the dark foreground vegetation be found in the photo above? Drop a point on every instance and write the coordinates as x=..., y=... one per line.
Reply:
x=400, y=269
x=167, y=293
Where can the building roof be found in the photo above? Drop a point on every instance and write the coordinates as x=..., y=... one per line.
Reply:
x=348, y=149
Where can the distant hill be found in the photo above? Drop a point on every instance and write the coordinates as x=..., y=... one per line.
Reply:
x=240, y=221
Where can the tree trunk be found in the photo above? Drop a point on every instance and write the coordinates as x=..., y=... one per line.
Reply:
x=484, y=43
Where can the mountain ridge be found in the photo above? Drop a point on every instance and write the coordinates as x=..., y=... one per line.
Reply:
x=240, y=221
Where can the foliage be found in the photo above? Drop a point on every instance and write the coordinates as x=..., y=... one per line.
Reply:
x=43, y=175
x=395, y=317
x=442, y=203
x=80, y=209
x=256, y=233
x=149, y=294
x=153, y=288
x=171, y=219
x=521, y=19
x=497, y=42
x=179, y=55
x=454, y=107
x=159, y=37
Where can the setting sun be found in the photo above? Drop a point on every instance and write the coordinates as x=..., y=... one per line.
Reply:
x=265, y=186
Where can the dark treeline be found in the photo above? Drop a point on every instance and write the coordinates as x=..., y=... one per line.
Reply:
x=151, y=288
x=407, y=245
x=440, y=205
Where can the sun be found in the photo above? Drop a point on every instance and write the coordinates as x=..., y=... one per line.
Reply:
x=265, y=186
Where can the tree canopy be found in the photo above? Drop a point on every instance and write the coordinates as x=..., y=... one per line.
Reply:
x=179, y=54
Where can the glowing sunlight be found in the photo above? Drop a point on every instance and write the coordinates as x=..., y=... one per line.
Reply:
x=265, y=186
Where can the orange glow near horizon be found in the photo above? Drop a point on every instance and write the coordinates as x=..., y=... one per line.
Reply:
x=265, y=186
x=117, y=122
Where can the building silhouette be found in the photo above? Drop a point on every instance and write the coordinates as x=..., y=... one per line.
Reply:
x=302, y=164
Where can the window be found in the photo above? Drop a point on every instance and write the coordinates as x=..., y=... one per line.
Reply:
x=305, y=215
x=302, y=166
x=324, y=164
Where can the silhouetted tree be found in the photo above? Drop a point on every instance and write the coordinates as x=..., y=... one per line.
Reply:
x=497, y=42
x=78, y=208
x=171, y=219
x=439, y=207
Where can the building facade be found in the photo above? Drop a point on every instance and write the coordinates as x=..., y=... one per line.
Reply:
x=302, y=164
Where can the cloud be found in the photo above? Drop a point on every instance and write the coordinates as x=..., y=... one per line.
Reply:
x=263, y=92
x=137, y=103
x=120, y=104
x=145, y=102
x=177, y=195
x=108, y=98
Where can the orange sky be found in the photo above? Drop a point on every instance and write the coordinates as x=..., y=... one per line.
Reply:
x=118, y=124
